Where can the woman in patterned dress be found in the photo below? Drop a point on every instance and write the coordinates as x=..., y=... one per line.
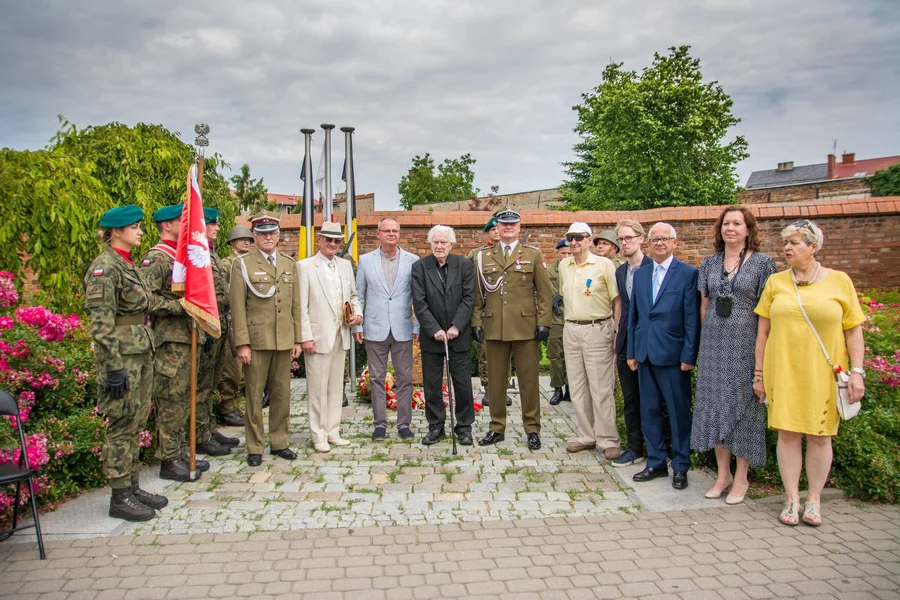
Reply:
x=792, y=371
x=727, y=414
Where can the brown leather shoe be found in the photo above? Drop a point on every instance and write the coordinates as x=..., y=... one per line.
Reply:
x=611, y=453
x=577, y=446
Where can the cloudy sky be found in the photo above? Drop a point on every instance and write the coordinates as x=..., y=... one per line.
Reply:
x=495, y=78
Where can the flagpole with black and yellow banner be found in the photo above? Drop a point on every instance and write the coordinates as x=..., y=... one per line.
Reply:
x=348, y=177
x=305, y=239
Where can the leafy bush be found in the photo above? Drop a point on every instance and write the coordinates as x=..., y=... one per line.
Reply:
x=47, y=365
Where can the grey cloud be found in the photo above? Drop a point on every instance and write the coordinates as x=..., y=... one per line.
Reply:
x=496, y=79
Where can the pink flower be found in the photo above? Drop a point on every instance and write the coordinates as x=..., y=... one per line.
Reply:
x=146, y=438
x=8, y=294
x=7, y=322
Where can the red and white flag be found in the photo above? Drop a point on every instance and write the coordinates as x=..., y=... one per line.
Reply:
x=192, y=274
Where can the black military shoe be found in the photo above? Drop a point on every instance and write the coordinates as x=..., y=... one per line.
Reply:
x=485, y=401
x=123, y=505
x=491, y=437
x=433, y=437
x=254, y=460
x=508, y=401
x=346, y=401
x=567, y=396
x=650, y=473
x=213, y=448
x=200, y=464
x=465, y=438
x=232, y=419
x=534, y=441
x=557, y=396
x=224, y=440
x=147, y=499
x=285, y=453
x=176, y=470
x=266, y=398
x=679, y=480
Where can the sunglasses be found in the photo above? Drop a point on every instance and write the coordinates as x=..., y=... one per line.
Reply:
x=336, y=241
x=803, y=224
x=576, y=238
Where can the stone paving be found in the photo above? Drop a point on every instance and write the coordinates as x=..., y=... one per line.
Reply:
x=395, y=482
x=733, y=553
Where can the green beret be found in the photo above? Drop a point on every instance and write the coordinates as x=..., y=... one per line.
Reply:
x=167, y=213
x=211, y=215
x=121, y=216
x=492, y=222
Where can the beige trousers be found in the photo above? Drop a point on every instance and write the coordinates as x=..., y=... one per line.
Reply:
x=591, y=370
x=325, y=392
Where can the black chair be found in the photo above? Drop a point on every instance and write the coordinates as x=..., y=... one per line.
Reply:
x=18, y=473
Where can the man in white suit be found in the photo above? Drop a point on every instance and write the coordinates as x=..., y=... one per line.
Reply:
x=384, y=284
x=326, y=283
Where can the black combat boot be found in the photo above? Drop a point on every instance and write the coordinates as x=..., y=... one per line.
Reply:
x=557, y=396
x=176, y=470
x=224, y=440
x=567, y=396
x=213, y=448
x=147, y=499
x=123, y=505
x=232, y=419
x=200, y=464
x=266, y=398
x=346, y=402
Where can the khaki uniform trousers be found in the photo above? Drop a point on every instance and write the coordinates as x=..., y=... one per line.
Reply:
x=527, y=353
x=556, y=356
x=325, y=392
x=272, y=367
x=591, y=369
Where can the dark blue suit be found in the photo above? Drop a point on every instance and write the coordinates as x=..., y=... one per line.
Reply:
x=628, y=379
x=661, y=336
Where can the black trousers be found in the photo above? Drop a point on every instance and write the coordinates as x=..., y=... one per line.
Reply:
x=632, y=395
x=432, y=379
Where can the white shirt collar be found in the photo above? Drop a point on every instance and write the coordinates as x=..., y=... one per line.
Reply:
x=511, y=246
x=665, y=264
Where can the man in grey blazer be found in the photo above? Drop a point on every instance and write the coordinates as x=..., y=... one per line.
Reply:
x=383, y=284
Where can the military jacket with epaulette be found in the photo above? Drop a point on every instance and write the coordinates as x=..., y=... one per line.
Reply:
x=514, y=295
x=118, y=299
x=265, y=302
x=170, y=322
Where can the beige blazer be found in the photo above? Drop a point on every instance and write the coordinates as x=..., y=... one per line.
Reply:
x=318, y=320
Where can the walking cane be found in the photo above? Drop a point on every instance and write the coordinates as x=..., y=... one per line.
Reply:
x=451, y=406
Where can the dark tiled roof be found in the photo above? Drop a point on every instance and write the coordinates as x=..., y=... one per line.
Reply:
x=796, y=176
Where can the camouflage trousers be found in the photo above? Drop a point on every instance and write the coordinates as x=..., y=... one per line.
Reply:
x=231, y=382
x=127, y=418
x=209, y=372
x=171, y=397
x=556, y=356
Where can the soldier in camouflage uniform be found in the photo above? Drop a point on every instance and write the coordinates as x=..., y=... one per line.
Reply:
x=172, y=338
x=491, y=237
x=118, y=301
x=241, y=239
x=212, y=354
x=555, y=352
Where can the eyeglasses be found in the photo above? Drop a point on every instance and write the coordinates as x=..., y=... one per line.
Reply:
x=267, y=234
x=661, y=240
x=394, y=231
x=627, y=239
x=575, y=238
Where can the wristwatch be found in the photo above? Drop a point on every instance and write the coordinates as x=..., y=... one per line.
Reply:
x=859, y=370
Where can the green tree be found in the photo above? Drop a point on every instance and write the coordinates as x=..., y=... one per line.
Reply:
x=886, y=182
x=251, y=194
x=51, y=200
x=454, y=180
x=654, y=139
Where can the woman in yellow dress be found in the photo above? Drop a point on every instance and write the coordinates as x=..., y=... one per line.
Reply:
x=792, y=372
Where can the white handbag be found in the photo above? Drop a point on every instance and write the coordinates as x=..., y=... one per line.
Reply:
x=841, y=379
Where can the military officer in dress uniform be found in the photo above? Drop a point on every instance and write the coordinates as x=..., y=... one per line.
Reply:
x=512, y=315
x=265, y=308
x=172, y=357
x=212, y=354
x=240, y=239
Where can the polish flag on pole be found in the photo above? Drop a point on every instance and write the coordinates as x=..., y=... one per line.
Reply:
x=192, y=273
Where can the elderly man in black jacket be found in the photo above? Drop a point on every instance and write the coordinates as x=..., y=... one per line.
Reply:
x=443, y=291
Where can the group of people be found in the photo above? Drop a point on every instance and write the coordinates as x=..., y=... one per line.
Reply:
x=646, y=317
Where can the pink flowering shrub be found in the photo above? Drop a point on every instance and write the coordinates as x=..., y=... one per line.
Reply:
x=47, y=366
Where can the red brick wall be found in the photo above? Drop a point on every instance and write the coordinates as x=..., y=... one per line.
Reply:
x=862, y=237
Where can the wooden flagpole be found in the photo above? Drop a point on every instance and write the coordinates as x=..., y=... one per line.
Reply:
x=201, y=129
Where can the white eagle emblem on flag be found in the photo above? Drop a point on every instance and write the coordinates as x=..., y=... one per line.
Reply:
x=198, y=253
